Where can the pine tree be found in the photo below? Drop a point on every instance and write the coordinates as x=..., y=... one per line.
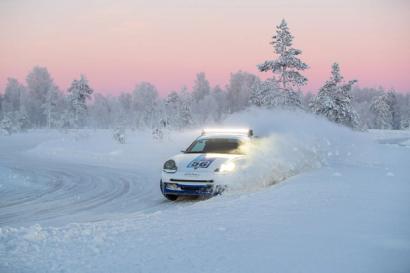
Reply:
x=122, y=111
x=22, y=121
x=220, y=103
x=172, y=105
x=102, y=113
x=394, y=109
x=13, y=105
x=383, y=118
x=266, y=94
x=1, y=106
x=201, y=87
x=286, y=66
x=239, y=90
x=49, y=106
x=144, y=103
x=13, y=96
x=334, y=100
x=202, y=101
x=185, y=111
x=40, y=84
x=79, y=93
x=405, y=112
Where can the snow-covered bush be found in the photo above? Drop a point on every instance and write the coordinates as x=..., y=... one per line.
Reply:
x=119, y=135
x=157, y=134
x=6, y=126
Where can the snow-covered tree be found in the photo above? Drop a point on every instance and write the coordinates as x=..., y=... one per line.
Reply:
x=125, y=108
x=1, y=105
x=394, y=109
x=101, y=111
x=40, y=85
x=286, y=66
x=13, y=122
x=201, y=87
x=239, y=90
x=219, y=98
x=178, y=111
x=185, y=111
x=334, y=100
x=308, y=100
x=203, y=110
x=266, y=94
x=144, y=102
x=201, y=99
x=13, y=96
x=13, y=106
x=381, y=109
x=172, y=106
x=79, y=93
x=20, y=120
x=50, y=106
x=404, y=106
x=361, y=101
x=6, y=125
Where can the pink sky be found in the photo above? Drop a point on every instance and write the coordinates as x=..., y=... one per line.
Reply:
x=117, y=44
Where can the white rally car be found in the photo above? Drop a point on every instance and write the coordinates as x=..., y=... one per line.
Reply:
x=203, y=167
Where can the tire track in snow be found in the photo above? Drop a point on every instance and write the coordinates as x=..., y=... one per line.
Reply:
x=62, y=192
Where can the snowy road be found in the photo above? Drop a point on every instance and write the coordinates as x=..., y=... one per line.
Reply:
x=56, y=192
x=90, y=205
x=70, y=191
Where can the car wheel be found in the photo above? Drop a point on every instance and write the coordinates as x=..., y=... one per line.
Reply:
x=171, y=197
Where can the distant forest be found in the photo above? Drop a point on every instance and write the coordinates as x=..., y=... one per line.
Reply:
x=39, y=103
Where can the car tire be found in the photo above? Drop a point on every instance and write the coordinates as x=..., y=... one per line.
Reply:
x=171, y=197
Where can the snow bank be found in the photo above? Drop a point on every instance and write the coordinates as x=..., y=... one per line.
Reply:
x=98, y=147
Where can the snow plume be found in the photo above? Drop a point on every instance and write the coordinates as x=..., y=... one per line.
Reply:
x=290, y=143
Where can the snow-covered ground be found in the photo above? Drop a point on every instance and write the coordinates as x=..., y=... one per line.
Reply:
x=80, y=202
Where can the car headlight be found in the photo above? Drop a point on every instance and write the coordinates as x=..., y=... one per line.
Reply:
x=170, y=166
x=227, y=167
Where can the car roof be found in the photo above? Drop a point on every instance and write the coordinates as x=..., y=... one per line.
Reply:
x=228, y=136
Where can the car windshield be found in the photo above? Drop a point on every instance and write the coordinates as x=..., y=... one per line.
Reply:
x=215, y=145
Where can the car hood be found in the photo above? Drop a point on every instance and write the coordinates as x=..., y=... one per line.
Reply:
x=202, y=162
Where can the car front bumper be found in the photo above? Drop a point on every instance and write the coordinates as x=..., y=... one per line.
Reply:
x=190, y=189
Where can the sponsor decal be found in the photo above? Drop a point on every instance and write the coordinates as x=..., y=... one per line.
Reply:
x=200, y=162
